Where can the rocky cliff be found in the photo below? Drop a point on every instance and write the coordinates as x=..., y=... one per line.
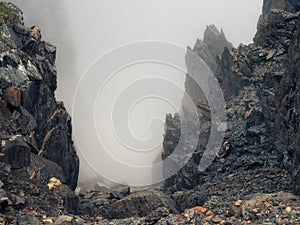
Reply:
x=250, y=180
x=280, y=99
x=260, y=86
x=35, y=129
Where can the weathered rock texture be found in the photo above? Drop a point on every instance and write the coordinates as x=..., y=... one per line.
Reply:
x=209, y=50
x=260, y=83
x=138, y=204
x=35, y=129
x=279, y=34
x=259, y=158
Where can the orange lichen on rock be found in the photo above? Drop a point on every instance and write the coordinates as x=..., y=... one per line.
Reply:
x=200, y=209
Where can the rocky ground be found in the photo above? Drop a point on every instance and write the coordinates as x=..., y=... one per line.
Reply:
x=254, y=178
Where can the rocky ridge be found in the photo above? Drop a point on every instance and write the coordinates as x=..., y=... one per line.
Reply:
x=260, y=85
x=249, y=182
x=257, y=81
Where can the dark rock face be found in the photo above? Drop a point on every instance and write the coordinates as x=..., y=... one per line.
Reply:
x=17, y=153
x=276, y=29
x=234, y=71
x=292, y=6
x=260, y=83
x=28, y=82
x=294, y=61
x=260, y=152
x=35, y=129
x=280, y=95
x=287, y=116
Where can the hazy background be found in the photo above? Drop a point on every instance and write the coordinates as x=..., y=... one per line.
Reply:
x=85, y=30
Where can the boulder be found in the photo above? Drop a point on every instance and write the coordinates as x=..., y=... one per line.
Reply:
x=137, y=204
x=12, y=95
x=17, y=153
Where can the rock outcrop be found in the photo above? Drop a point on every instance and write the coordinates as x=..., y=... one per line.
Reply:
x=284, y=112
x=279, y=92
x=209, y=50
x=35, y=129
x=292, y=6
x=249, y=181
x=260, y=86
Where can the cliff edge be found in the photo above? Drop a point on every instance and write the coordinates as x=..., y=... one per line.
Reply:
x=35, y=130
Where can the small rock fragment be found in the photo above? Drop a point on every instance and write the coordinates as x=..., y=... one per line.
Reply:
x=200, y=209
x=63, y=219
x=288, y=209
x=238, y=202
x=53, y=182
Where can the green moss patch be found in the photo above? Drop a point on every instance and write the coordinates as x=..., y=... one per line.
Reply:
x=8, y=14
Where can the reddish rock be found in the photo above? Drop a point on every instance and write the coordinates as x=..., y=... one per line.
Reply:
x=200, y=209
x=12, y=95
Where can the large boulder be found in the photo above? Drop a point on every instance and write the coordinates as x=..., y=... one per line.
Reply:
x=138, y=204
x=16, y=152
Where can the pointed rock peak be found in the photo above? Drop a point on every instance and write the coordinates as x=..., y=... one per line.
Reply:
x=211, y=31
x=213, y=37
x=199, y=44
x=212, y=46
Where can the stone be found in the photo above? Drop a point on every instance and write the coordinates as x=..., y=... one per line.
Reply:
x=89, y=195
x=120, y=193
x=139, y=204
x=64, y=219
x=26, y=121
x=17, y=153
x=56, y=145
x=157, y=214
x=100, y=202
x=217, y=219
x=4, y=201
x=53, y=182
x=18, y=201
x=71, y=203
x=12, y=95
x=25, y=220
x=4, y=109
x=271, y=54
x=188, y=199
x=200, y=209
x=288, y=209
x=238, y=202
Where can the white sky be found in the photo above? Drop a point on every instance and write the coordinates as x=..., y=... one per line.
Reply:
x=100, y=25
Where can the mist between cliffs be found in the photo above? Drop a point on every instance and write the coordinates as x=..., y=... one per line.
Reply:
x=83, y=31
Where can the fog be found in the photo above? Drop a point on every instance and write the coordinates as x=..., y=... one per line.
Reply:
x=107, y=117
